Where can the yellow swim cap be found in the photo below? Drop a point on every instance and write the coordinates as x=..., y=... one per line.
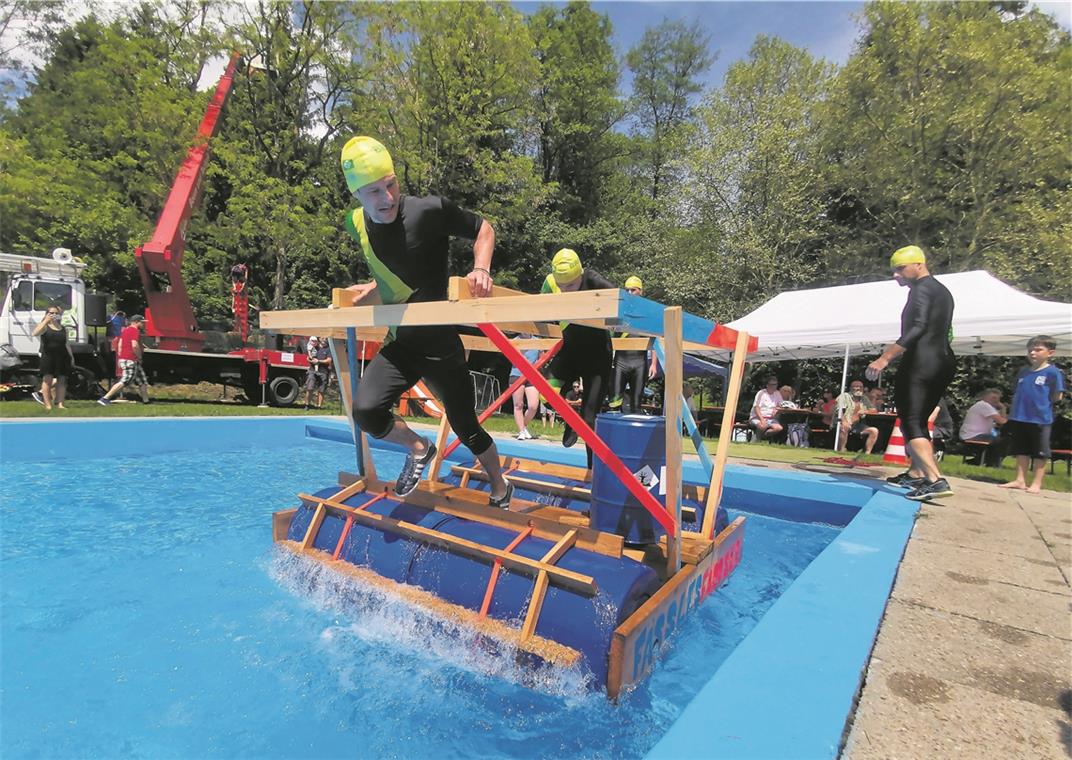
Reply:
x=566, y=266
x=365, y=160
x=910, y=254
x=634, y=282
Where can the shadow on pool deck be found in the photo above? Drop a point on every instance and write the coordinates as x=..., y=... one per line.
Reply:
x=972, y=658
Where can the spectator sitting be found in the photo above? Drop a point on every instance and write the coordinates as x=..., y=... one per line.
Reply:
x=981, y=423
x=851, y=407
x=764, y=410
x=877, y=398
x=797, y=431
x=826, y=407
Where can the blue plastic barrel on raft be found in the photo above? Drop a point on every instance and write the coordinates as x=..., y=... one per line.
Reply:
x=640, y=442
x=585, y=623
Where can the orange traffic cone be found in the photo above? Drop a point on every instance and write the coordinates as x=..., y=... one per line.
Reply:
x=895, y=450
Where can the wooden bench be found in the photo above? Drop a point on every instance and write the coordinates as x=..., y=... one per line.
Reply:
x=975, y=449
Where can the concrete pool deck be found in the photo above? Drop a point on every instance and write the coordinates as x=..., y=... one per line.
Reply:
x=974, y=654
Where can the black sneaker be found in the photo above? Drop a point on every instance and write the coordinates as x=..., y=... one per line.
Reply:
x=412, y=470
x=906, y=480
x=503, y=502
x=36, y=396
x=939, y=489
x=569, y=436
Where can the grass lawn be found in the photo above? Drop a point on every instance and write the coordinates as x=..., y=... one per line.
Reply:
x=203, y=401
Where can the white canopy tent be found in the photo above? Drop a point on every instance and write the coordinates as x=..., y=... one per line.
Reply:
x=989, y=318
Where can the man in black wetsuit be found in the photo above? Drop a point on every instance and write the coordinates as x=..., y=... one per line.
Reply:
x=925, y=370
x=631, y=368
x=404, y=241
x=586, y=351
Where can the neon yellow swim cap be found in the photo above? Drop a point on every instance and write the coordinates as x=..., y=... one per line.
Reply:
x=566, y=266
x=365, y=160
x=634, y=282
x=910, y=254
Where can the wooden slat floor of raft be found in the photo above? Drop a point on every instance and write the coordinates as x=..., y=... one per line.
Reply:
x=546, y=649
x=550, y=523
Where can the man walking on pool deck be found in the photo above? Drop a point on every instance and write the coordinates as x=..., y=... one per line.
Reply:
x=925, y=370
x=404, y=241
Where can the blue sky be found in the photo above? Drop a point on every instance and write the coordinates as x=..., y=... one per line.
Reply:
x=827, y=29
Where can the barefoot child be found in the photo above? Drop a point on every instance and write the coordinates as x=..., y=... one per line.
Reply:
x=1038, y=386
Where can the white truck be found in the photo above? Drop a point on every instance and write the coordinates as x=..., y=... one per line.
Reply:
x=30, y=285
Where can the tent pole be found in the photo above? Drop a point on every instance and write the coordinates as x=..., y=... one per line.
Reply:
x=844, y=377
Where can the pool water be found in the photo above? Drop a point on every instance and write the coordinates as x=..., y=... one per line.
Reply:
x=147, y=614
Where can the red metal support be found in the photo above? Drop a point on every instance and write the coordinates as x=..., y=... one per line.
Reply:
x=489, y=592
x=494, y=406
x=574, y=420
x=169, y=314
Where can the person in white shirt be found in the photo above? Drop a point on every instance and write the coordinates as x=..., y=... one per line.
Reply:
x=851, y=408
x=764, y=408
x=981, y=423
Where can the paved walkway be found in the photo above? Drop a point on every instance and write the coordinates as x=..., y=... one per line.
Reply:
x=974, y=656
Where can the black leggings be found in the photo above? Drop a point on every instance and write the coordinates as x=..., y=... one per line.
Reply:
x=397, y=368
x=921, y=382
x=632, y=375
x=596, y=379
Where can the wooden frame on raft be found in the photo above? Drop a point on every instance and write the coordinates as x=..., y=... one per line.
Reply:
x=692, y=564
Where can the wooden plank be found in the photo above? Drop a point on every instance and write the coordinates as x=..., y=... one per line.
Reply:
x=358, y=486
x=340, y=356
x=545, y=649
x=579, y=582
x=341, y=298
x=532, y=484
x=539, y=590
x=281, y=523
x=314, y=524
x=599, y=306
x=673, y=393
x=532, y=615
x=637, y=641
x=442, y=434
x=473, y=505
x=722, y=452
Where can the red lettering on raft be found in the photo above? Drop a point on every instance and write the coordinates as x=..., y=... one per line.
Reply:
x=720, y=570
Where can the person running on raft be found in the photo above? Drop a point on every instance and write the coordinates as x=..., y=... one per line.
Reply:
x=925, y=370
x=631, y=368
x=404, y=241
x=586, y=351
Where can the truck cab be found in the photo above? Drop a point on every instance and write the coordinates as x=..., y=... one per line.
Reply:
x=30, y=285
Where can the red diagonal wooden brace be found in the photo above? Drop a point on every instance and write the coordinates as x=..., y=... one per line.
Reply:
x=586, y=433
x=350, y=523
x=496, y=567
x=494, y=407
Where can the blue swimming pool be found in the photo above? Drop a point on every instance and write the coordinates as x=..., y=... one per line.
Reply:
x=146, y=613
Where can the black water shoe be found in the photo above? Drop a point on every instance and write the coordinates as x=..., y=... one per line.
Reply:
x=939, y=489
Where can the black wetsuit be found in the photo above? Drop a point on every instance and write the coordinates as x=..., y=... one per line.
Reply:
x=414, y=248
x=630, y=370
x=928, y=363
x=55, y=360
x=586, y=354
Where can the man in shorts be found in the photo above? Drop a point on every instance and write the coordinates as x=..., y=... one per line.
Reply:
x=129, y=352
x=404, y=240
x=319, y=372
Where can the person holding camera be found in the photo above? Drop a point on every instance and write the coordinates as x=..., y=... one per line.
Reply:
x=56, y=358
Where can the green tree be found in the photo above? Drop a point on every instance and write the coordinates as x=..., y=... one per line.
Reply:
x=666, y=65
x=752, y=196
x=950, y=129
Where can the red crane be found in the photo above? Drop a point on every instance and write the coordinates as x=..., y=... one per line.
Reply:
x=170, y=314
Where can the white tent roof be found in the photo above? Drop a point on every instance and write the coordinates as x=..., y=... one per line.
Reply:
x=989, y=318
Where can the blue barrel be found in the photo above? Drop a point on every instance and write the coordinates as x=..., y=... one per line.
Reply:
x=576, y=620
x=640, y=442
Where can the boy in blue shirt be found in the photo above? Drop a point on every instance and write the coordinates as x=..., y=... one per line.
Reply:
x=1038, y=386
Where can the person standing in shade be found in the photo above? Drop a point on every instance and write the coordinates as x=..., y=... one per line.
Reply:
x=319, y=372
x=586, y=351
x=981, y=423
x=56, y=358
x=926, y=368
x=1038, y=386
x=631, y=368
x=404, y=240
x=129, y=352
